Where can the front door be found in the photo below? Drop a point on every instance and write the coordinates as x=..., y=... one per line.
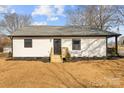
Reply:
x=57, y=46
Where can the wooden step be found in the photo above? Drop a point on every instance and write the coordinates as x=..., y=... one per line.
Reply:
x=56, y=59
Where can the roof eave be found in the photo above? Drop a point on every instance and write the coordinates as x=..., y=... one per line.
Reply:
x=63, y=35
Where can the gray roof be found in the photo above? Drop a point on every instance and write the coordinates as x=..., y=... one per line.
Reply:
x=60, y=31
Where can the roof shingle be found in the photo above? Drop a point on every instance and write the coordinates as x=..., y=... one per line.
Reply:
x=60, y=31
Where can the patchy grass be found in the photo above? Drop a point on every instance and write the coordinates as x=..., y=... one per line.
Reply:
x=92, y=73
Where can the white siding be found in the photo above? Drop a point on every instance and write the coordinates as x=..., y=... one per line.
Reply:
x=40, y=47
x=90, y=46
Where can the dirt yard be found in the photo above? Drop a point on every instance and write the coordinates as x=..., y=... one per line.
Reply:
x=93, y=73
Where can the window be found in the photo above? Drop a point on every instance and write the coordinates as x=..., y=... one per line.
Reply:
x=28, y=43
x=76, y=44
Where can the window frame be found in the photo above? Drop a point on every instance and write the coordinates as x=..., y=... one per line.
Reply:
x=73, y=45
x=26, y=45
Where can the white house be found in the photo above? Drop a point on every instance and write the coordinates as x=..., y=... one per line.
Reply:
x=41, y=41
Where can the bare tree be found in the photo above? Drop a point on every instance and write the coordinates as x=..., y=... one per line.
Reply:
x=101, y=17
x=14, y=21
x=75, y=17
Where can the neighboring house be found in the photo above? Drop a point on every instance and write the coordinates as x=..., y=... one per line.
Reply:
x=7, y=49
x=41, y=41
x=121, y=40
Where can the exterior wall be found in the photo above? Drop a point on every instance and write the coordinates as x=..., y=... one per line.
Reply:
x=40, y=47
x=90, y=47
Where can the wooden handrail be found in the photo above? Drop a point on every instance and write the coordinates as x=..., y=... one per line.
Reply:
x=64, y=52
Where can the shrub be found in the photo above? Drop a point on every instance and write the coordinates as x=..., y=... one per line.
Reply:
x=112, y=51
x=10, y=54
x=1, y=49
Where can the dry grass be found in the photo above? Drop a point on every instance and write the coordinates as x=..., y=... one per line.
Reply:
x=93, y=73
